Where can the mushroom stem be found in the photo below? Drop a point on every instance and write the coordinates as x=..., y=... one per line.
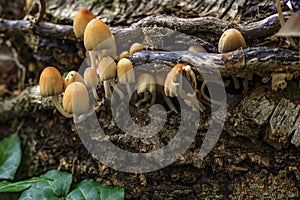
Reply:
x=60, y=108
x=206, y=97
x=145, y=99
x=169, y=103
x=79, y=118
x=128, y=89
x=117, y=89
x=107, y=89
x=235, y=82
x=95, y=93
x=93, y=59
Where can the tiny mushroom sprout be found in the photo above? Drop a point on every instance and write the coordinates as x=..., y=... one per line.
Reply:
x=197, y=48
x=76, y=101
x=81, y=19
x=136, y=47
x=98, y=38
x=51, y=84
x=107, y=69
x=174, y=86
x=146, y=83
x=125, y=73
x=71, y=77
x=91, y=80
x=123, y=54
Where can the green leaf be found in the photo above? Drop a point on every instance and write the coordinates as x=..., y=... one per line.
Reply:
x=10, y=156
x=19, y=186
x=89, y=189
x=44, y=190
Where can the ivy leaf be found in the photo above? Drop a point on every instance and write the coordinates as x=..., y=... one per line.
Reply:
x=19, y=186
x=10, y=156
x=90, y=189
x=46, y=189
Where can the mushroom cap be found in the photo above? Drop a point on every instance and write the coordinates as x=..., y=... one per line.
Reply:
x=90, y=77
x=71, y=77
x=171, y=81
x=291, y=27
x=231, y=40
x=123, y=54
x=81, y=19
x=51, y=82
x=136, y=47
x=197, y=48
x=146, y=81
x=125, y=71
x=97, y=35
x=107, y=68
x=76, y=99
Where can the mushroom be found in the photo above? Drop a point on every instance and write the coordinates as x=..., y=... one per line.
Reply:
x=51, y=84
x=107, y=69
x=136, y=47
x=76, y=101
x=125, y=73
x=91, y=80
x=231, y=40
x=123, y=54
x=146, y=83
x=197, y=48
x=71, y=77
x=291, y=28
x=173, y=84
x=98, y=39
x=159, y=79
x=278, y=80
x=81, y=19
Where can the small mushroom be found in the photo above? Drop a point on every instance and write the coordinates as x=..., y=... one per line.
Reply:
x=91, y=80
x=231, y=40
x=197, y=48
x=71, y=77
x=136, y=47
x=160, y=79
x=107, y=69
x=76, y=101
x=173, y=84
x=123, y=54
x=278, y=81
x=51, y=84
x=98, y=40
x=146, y=83
x=125, y=73
x=81, y=19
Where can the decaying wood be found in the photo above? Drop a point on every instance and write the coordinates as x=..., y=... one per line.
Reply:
x=192, y=26
x=24, y=104
x=260, y=60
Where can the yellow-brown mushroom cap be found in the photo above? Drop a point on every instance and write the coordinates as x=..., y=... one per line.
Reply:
x=97, y=33
x=71, y=77
x=136, y=47
x=197, y=48
x=76, y=99
x=90, y=77
x=231, y=40
x=81, y=19
x=51, y=82
x=125, y=71
x=107, y=68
